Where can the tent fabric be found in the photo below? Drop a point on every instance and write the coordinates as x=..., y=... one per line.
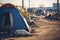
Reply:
x=18, y=21
x=8, y=5
x=5, y=23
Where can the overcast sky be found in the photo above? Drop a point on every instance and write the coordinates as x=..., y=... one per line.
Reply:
x=34, y=3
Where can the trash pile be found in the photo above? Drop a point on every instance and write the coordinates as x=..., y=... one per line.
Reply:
x=53, y=17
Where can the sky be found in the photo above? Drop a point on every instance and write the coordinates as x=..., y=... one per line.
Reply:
x=33, y=3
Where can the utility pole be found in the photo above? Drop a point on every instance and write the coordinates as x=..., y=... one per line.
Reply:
x=57, y=14
x=22, y=3
x=29, y=3
x=58, y=6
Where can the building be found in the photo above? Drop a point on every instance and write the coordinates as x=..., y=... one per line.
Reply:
x=55, y=5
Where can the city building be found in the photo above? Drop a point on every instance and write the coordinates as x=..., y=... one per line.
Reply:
x=55, y=5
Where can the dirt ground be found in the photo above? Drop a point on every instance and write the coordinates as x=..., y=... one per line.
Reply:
x=47, y=30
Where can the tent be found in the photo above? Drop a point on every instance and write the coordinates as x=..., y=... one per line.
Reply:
x=11, y=18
